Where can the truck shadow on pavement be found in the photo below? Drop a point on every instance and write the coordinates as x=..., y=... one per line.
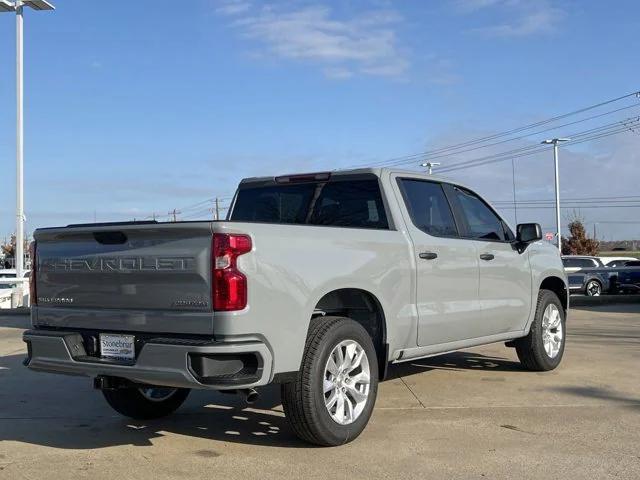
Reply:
x=65, y=412
x=75, y=416
x=456, y=361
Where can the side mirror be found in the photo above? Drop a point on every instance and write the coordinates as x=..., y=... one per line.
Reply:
x=528, y=233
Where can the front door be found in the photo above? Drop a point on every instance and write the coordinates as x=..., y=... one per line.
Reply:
x=505, y=274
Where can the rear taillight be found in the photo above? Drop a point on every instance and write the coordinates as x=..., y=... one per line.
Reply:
x=32, y=276
x=229, y=285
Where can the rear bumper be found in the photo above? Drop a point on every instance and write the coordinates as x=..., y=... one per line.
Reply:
x=160, y=361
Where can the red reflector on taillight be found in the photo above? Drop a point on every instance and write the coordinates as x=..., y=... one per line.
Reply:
x=33, y=295
x=229, y=285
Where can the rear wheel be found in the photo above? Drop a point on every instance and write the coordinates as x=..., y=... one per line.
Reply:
x=332, y=399
x=593, y=288
x=543, y=348
x=145, y=403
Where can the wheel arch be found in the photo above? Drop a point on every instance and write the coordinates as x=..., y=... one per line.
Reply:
x=363, y=307
x=558, y=286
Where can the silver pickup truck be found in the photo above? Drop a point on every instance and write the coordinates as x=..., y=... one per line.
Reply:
x=316, y=282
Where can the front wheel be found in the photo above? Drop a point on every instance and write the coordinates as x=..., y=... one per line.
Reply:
x=146, y=403
x=543, y=348
x=332, y=399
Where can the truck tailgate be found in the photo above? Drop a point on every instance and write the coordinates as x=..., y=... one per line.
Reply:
x=135, y=277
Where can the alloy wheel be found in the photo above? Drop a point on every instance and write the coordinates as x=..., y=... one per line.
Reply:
x=552, y=332
x=346, y=382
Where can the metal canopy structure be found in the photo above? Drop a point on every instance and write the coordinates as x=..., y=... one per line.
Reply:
x=38, y=4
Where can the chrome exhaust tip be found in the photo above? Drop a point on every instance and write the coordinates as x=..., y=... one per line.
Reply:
x=250, y=395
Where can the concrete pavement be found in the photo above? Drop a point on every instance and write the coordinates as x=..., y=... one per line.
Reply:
x=471, y=414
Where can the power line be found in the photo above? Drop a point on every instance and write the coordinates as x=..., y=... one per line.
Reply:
x=572, y=198
x=521, y=137
x=408, y=158
x=526, y=151
x=576, y=138
x=536, y=207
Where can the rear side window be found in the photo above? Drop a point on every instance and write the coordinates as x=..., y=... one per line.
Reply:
x=482, y=222
x=274, y=204
x=348, y=203
x=428, y=207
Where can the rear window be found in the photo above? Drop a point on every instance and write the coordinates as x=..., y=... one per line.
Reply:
x=348, y=203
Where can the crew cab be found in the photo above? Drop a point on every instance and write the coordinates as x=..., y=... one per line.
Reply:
x=316, y=282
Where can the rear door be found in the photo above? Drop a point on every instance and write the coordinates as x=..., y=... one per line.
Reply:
x=505, y=273
x=446, y=266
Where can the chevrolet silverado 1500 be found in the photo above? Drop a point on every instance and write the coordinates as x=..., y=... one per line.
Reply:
x=316, y=282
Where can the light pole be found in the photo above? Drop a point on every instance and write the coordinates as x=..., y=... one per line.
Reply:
x=555, y=142
x=430, y=166
x=17, y=6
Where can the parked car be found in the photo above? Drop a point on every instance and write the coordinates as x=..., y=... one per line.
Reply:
x=631, y=263
x=628, y=280
x=587, y=275
x=316, y=282
x=573, y=263
x=7, y=285
x=616, y=261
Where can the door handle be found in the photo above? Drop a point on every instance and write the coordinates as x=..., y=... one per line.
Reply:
x=487, y=256
x=428, y=255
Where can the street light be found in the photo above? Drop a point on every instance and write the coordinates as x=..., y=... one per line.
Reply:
x=555, y=142
x=429, y=166
x=17, y=7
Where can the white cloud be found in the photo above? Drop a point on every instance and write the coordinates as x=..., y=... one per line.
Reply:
x=233, y=7
x=365, y=44
x=519, y=18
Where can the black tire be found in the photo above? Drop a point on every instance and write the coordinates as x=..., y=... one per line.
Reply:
x=304, y=399
x=130, y=402
x=530, y=349
x=593, y=288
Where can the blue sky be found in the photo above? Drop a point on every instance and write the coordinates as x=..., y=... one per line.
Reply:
x=134, y=111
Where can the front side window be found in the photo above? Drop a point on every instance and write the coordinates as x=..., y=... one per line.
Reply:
x=482, y=222
x=428, y=207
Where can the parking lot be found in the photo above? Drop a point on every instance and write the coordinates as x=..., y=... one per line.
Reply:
x=471, y=414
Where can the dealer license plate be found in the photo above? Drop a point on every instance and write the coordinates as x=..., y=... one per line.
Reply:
x=120, y=347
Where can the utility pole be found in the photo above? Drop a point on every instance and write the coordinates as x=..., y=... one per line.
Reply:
x=555, y=142
x=513, y=176
x=217, y=208
x=429, y=166
x=174, y=213
x=17, y=6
